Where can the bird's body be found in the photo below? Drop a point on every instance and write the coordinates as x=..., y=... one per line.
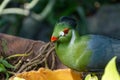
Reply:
x=83, y=53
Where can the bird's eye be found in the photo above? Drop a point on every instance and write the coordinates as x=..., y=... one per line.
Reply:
x=61, y=33
x=66, y=30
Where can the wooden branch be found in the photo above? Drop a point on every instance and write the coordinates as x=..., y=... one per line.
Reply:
x=38, y=52
x=17, y=45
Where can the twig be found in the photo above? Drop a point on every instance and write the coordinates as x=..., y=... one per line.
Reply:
x=10, y=72
x=28, y=52
x=37, y=61
x=53, y=60
x=40, y=51
x=17, y=65
x=19, y=55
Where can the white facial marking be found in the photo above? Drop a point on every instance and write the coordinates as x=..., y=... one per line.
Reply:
x=61, y=33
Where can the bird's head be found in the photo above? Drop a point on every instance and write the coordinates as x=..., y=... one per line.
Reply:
x=63, y=29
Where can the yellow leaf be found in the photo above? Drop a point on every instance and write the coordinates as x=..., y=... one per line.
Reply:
x=111, y=72
x=89, y=77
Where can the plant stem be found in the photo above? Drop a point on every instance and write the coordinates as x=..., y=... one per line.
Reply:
x=31, y=4
x=45, y=11
x=3, y=5
x=26, y=11
x=16, y=11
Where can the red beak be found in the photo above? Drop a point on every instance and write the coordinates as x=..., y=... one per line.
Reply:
x=53, y=39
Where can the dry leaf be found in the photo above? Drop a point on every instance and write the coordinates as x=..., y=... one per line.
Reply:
x=47, y=74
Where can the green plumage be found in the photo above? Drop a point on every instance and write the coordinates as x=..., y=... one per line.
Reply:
x=69, y=47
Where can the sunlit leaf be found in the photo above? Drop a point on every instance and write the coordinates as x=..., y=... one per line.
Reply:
x=111, y=72
x=2, y=68
x=91, y=77
x=5, y=63
x=17, y=78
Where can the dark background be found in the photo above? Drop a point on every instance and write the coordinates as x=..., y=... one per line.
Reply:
x=93, y=16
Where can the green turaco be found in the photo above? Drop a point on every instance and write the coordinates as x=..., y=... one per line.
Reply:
x=83, y=53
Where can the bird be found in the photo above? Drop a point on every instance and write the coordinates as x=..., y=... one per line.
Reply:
x=89, y=52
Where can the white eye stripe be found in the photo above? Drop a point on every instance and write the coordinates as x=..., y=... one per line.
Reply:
x=61, y=33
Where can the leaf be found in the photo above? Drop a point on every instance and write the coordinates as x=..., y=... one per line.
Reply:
x=91, y=77
x=2, y=68
x=6, y=64
x=48, y=74
x=111, y=72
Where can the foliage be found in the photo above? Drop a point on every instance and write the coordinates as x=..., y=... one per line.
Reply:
x=5, y=66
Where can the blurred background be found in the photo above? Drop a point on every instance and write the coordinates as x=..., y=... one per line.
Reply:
x=35, y=19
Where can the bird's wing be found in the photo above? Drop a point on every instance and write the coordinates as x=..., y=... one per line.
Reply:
x=103, y=49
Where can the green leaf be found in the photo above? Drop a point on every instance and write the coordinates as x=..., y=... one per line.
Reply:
x=6, y=64
x=91, y=77
x=111, y=72
x=2, y=68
